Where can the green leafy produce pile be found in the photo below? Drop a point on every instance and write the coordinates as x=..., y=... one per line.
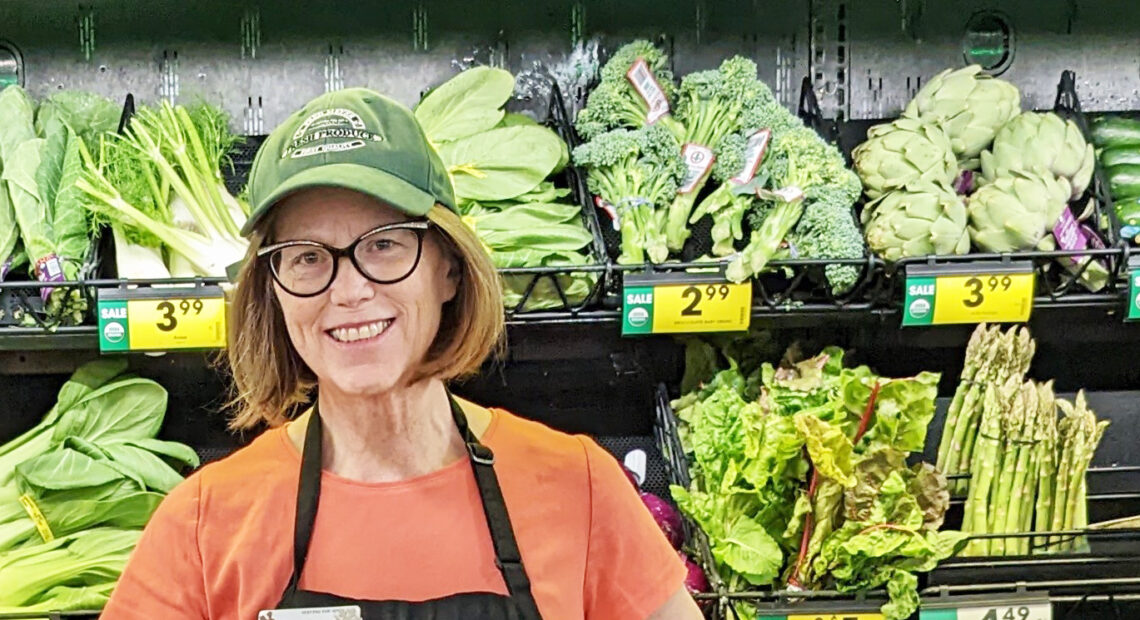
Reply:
x=800, y=476
x=653, y=145
x=964, y=168
x=503, y=165
x=76, y=490
x=1026, y=469
x=43, y=223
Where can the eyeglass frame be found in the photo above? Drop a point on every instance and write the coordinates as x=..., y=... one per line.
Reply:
x=420, y=227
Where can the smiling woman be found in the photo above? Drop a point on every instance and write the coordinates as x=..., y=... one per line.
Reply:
x=376, y=494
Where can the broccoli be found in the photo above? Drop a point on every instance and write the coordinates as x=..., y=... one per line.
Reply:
x=636, y=171
x=727, y=203
x=711, y=105
x=614, y=103
x=828, y=230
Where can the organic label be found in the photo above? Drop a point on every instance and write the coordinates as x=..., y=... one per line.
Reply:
x=998, y=297
x=154, y=322
x=687, y=307
x=754, y=152
x=48, y=269
x=646, y=85
x=698, y=161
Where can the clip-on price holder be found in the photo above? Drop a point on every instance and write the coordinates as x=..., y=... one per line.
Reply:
x=1013, y=606
x=1133, y=313
x=677, y=303
x=975, y=292
x=822, y=610
x=161, y=318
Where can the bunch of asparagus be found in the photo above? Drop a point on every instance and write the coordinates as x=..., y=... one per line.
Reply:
x=1026, y=471
x=992, y=358
x=1080, y=432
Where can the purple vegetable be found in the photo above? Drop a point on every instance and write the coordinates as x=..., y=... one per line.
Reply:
x=695, y=580
x=667, y=518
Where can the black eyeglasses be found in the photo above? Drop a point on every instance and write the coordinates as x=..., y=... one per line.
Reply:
x=384, y=255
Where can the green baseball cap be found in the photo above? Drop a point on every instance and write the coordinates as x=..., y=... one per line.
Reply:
x=356, y=139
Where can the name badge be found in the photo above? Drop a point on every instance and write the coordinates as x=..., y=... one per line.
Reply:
x=351, y=612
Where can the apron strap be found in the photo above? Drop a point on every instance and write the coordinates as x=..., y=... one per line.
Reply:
x=507, y=555
x=308, y=496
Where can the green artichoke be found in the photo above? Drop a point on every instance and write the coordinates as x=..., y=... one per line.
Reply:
x=922, y=219
x=969, y=106
x=1041, y=141
x=1017, y=211
x=902, y=152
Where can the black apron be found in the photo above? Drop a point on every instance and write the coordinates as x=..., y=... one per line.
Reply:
x=518, y=605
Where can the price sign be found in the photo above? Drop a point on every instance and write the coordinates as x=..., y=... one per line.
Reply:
x=973, y=293
x=684, y=303
x=154, y=319
x=1133, y=290
x=1028, y=607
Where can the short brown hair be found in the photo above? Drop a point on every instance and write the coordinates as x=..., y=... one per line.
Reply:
x=271, y=380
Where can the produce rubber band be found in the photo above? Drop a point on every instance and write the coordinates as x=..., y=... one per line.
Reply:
x=37, y=517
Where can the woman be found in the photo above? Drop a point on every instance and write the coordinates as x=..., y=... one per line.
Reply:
x=364, y=290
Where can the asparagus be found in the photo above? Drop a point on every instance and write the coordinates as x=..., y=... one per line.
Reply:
x=1013, y=491
x=994, y=358
x=995, y=402
x=975, y=349
x=1065, y=430
x=1046, y=462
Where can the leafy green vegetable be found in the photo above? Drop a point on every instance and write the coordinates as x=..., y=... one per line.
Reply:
x=88, y=114
x=469, y=103
x=492, y=166
x=18, y=127
x=89, y=558
x=864, y=519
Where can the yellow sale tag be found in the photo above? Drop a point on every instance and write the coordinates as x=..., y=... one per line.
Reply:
x=837, y=616
x=176, y=323
x=977, y=298
x=711, y=307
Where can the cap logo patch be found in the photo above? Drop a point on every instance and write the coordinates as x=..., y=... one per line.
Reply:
x=332, y=130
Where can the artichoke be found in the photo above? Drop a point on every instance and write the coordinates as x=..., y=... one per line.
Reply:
x=902, y=152
x=1041, y=141
x=923, y=218
x=969, y=106
x=1017, y=211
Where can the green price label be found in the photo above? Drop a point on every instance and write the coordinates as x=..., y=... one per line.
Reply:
x=1133, y=295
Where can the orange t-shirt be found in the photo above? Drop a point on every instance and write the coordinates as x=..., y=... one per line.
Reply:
x=220, y=546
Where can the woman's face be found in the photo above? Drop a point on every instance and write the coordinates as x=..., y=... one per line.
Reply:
x=329, y=329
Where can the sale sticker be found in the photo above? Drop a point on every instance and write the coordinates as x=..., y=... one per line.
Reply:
x=684, y=303
x=973, y=293
x=156, y=319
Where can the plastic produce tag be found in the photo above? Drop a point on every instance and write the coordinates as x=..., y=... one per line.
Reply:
x=649, y=88
x=1069, y=234
x=754, y=152
x=970, y=293
x=148, y=319
x=699, y=160
x=684, y=303
x=48, y=269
